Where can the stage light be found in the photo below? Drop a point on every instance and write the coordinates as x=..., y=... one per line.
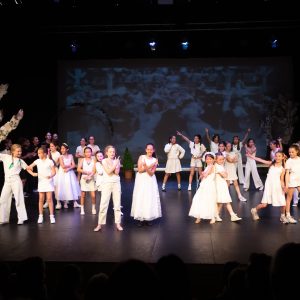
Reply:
x=185, y=45
x=274, y=43
x=74, y=46
x=152, y=45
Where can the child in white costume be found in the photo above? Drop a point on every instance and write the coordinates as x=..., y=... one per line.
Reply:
x=213, y=142
x=111, y=186
x=274, y=186
x=45, y=172
x=175, y=152
x=197, y=151
x=223, y=196
x=292, y=178
x=87, y=168
x=204, y=204
x=13, y=185
x=145, y=199
x=251, y=167
x=99, y=170
x=237, y=147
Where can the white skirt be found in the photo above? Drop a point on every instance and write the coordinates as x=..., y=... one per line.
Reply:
x=173, y=165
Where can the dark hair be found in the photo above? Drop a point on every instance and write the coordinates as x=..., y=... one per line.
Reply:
x=170, y=137
x=65, y=145
x=199, y=137
x=219, y=154
x=87, y=147
x=216, y=136
x=150, y=144
x=97, y=153
x=222, y=143
x=248, y=141
x=210, y=155
x=238, y=144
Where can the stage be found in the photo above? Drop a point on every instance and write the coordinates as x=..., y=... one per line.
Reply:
x=72, y=238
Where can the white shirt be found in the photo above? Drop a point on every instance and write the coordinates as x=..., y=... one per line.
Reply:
x=44, y=167
x=12, y=165
x=174, y=151
x=197, y=150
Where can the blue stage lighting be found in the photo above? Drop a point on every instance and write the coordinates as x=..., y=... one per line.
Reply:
x=185, y=45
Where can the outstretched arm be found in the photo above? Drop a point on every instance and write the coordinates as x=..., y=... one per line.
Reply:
x=184, y=137
x=265, y=162
x=10, y=125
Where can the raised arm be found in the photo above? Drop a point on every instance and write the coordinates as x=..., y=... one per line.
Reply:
x=246, y=136
x=207, y=135
x=280, y=144
x=184, y=137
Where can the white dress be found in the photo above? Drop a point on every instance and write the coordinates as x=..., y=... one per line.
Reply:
x=223, y=195
x=205, y=199
x=44, y=167
x=145, y=199
x=87, y=184
x=214, y=147
x=67, y=185
x=230, y=168
x=273, y=193
x=175, y=153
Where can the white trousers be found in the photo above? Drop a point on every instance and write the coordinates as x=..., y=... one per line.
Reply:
x=251, y=168
x=110, y=189
x=12, y=186
x=295, y=196
x=240, y=170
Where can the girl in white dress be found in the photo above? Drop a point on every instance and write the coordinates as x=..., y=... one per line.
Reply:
x=213, y=142
x=13, y=185
x=87, y=168
x=68, y=188
x=111, y=186
x=54, y=155
x=231, y=158
x=45, y=172
x=223, y=196
x=204, y=204
x=93, y=146
x=197, y=151
x=175, y=152
x=274, y=192
x=145, y=199
x=237, y=147
x=251, y=167
x=292, y=178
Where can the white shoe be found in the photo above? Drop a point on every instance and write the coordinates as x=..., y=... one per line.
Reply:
x=94, y=211
x=189, y=187
x=82, y=212
x=58, y=205
x=241, y=198
x=52, y=219
x=295, y=204
x=20, y=222
x=246, y=189
x=76, y=204
x=218, y=219
x=235, y=218
x=291, y=220
x=261, y=188
x=212, y=221
x=40, y=219
x=284, y=220
x=46, y=205
x=254, y=214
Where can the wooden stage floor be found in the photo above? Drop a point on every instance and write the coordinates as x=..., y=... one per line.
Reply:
x=72, y=238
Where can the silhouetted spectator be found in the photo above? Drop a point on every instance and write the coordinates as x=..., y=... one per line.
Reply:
x=174, y=278
x=97, y=287
x=284, y=269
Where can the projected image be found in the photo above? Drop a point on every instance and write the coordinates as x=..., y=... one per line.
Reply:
x=132, y=103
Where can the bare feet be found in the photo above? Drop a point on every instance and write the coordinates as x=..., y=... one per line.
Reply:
x=98, y=228
x=212, y=221
x=197, y=221
x=119, y=227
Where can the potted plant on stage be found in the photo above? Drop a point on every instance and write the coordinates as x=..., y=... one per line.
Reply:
x=128, y=164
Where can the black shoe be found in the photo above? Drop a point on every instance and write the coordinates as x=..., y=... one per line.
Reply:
x=163, y=189
x=139, y=224
x=179, y=189
x=148, y=223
